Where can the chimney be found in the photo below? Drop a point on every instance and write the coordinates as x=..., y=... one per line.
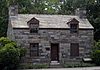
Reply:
x=13, y=11
x=81, y=12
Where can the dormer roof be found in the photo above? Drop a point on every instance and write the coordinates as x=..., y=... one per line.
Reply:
x=33, y=21
x=73, y=21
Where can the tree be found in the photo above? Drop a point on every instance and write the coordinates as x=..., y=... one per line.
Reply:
x=67, y=7
x=52, y=7
x=93, y=11
x=10, y=54
x=3, y=17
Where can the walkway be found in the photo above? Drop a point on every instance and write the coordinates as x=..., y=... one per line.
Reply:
x=84, y=68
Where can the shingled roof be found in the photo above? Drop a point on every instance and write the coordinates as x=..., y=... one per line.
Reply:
x=49, y=21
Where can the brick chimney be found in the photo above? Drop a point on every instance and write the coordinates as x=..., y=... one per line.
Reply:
x=81, y=12
x=13, y=11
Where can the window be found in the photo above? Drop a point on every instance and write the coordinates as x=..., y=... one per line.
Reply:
x=33, y=25
x=74, y=28
x=34, y=49
x=74, y=49
x=33, y=30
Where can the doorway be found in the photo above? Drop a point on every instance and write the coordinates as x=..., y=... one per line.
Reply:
x=54, y=52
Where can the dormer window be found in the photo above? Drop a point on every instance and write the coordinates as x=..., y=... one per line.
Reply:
x=33, y=30
x=74, y=25
x=73, y=28
x=33, y=25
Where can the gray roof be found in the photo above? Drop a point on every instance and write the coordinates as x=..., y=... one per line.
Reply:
x=49, y=21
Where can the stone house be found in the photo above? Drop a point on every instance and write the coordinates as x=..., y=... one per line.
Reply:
x=48, y=38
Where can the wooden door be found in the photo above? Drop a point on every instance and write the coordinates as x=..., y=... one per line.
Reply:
x=54, y=52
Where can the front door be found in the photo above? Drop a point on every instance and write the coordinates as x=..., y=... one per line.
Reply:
x=54, y=52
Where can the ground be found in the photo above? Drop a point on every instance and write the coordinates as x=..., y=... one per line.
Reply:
x=84, y=68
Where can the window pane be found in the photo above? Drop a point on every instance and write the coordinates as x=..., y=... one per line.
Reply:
x=74, y=28
x=34, y=49
x=34, y=30
x=74, y=49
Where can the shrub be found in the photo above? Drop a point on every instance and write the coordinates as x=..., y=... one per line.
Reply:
x=96, y=57
x=10, y=54
x=33, y=66
x=4, y=41
x=79, y=64
x=39, y=66
x=9, y=57
x=96, y=53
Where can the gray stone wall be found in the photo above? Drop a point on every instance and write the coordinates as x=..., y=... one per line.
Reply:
x=46, y=36
x=86, y=41
x=10, y=33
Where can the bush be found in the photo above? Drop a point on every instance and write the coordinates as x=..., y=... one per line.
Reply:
x=4, y=41
x=39, y=66
x=96, y=53
x=79, y=64
x=9, y=57
x=10, y=54
x=33, y=66
x=96, y=57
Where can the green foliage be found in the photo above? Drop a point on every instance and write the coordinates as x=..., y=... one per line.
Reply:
x=22, y=51
x=53, y=1
x=37, y=7
x=9, y=57
x=67, y=7
x=93, y=11
x=4, y=41
x=10, y=54
x=3, y=17
x=25, y=6
x=96, y=53
x=52, y=7
x=97, y=45
x=78, y=64
x=33, y=66
x=96, y=57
